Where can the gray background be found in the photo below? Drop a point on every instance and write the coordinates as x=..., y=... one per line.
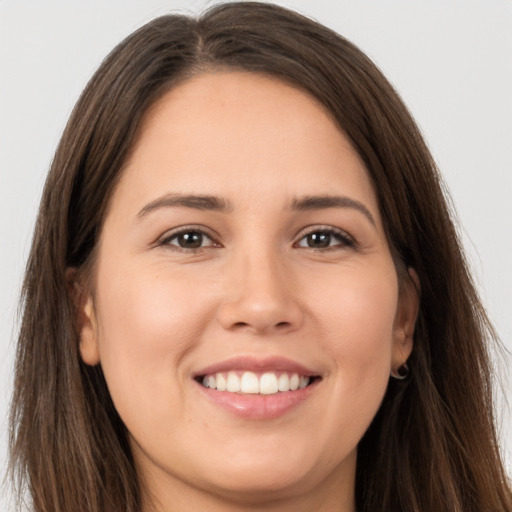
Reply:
x=450, y=60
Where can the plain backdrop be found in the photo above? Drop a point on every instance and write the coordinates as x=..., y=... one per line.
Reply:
x=450, y=60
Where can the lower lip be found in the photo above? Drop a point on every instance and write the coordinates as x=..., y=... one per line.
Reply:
x=258, y=406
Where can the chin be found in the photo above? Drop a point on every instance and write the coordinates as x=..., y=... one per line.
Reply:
x=268, y=477
x=260, y=484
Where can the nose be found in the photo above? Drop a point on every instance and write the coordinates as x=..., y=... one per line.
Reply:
x=260, y=297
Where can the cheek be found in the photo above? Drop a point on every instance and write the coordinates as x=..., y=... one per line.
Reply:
x=356, y=321
x=357, y=307
x=147, y=324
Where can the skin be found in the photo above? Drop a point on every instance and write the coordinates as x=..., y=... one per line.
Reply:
x=160, y=312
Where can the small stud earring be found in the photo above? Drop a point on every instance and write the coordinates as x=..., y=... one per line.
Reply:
x=401, y=373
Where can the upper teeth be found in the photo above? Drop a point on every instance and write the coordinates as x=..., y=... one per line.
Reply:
x=248, y=382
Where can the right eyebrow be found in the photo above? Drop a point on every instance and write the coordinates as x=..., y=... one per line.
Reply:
x=329, y=201
x=197, y=202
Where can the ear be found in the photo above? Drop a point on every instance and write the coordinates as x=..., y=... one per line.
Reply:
x=405, y=320
x=85, y=317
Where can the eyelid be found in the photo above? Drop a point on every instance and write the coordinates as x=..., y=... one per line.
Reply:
x=348, y=239
x=164, y=240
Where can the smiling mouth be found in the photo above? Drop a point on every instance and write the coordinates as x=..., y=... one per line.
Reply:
x=252, y=383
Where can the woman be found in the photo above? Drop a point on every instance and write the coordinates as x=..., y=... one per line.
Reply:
x=245, y=290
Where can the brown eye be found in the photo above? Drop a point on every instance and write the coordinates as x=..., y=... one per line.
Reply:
x=325, y=239
x=192, y=239
x=319, y=239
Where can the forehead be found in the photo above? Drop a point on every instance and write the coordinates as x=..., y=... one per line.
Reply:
x=222, y=131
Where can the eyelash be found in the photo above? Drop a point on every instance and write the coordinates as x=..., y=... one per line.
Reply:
x=344, y=240
x=188, y=230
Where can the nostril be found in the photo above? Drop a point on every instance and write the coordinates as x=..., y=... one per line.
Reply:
x=240, y=324
x=279, y=325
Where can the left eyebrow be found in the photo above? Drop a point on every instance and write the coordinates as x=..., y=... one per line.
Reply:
x=328, y=201
x=196, y=202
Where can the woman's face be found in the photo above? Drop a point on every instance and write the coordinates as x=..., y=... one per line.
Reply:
x=243, y=249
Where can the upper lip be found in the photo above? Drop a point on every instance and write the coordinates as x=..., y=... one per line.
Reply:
x=257, y=364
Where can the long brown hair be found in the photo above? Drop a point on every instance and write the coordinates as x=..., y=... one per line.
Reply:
x=432, y=445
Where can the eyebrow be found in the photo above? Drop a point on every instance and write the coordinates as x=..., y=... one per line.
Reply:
x=214, y=203
x=328, y=201
x=197, y=202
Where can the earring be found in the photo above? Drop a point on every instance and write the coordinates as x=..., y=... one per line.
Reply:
x=401, y=373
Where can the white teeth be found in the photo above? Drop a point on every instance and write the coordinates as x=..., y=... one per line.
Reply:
x=222, y=385
x=284, y=382
x=268, y=384
x=250, y=383
x=233, y=383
